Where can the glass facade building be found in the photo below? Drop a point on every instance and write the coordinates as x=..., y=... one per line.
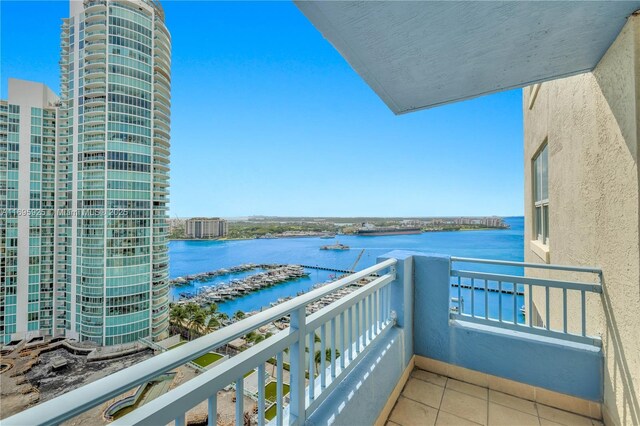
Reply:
x=116, y=95
x=28, y=135
x=98, y=265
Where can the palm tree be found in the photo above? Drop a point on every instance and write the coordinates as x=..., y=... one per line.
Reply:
x=196, y=322
x=178, y=317
x=327, y=356
x=177, y=314
x=213, y=309
x=192, y=308
x=316, y=339
x=212, y=324
x=238, y=315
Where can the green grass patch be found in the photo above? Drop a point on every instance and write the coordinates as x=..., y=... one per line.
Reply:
x=270, y=414
x=285, y=365
x=271, y=391
x=177, y=344
x=207, y=359
x=204, y=360
x=270, y=394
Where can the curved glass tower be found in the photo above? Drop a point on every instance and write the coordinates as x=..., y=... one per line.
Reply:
x=112, y=272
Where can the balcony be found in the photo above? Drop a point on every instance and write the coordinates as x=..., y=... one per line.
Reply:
x=95, y=52
x=419, y=340
x=96, y=101
x=96, y=91
x=97, y=32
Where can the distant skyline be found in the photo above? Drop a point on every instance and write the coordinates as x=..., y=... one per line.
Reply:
x=268, y=119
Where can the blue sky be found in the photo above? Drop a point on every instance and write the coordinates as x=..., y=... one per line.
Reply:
x=268, y=119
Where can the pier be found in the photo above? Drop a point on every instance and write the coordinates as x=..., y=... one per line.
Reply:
x=493, y=290
x=324, y=268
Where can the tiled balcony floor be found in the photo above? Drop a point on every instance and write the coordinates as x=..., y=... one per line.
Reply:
x=429, y=399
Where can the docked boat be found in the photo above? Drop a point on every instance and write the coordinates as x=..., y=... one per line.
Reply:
x=336, y=246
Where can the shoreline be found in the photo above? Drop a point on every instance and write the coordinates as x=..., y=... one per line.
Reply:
x=343, y=235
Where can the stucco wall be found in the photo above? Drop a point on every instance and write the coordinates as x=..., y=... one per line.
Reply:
x=591, y=122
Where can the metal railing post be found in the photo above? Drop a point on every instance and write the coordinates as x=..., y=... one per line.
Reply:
x=401, y=294
x=297, y=366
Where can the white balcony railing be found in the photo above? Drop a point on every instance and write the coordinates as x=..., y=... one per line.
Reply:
x=477, y=288
x=347, y=327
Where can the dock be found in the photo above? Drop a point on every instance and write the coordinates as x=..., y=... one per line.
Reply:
x=324, y=268
x=489, y=289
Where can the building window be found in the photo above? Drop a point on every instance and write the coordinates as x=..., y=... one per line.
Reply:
x=541, y=195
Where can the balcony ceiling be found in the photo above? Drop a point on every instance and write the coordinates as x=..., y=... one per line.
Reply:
x=419, y=55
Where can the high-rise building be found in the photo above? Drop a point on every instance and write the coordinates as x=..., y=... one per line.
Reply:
x=109, y=183
x=203, y=227
x=27, y=210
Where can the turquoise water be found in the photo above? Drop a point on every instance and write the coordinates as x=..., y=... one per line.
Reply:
x=190, y=257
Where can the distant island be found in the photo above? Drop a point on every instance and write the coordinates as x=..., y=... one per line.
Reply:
x=328, y=227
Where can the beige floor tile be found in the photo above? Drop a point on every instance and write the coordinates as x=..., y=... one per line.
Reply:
x=447, y=419
x=465, y=406
x=545, y=422
x=408, y=413
x=424, y=392
x=513, y=402
x=468, y=388
x=501, y=415
x=390, y=423
x=595, y=422
x=562, y=417
x=427, y=376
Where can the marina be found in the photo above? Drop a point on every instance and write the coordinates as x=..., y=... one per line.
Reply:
x=205, y=276
x=330, y=298
x=194, y=257
x=275, y=274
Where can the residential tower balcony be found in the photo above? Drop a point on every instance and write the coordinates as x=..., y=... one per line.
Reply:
x=425, y=339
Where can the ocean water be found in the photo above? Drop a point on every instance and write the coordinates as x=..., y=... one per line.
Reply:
x=190, y=257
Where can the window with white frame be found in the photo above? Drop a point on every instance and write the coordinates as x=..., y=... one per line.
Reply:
x=541, y=195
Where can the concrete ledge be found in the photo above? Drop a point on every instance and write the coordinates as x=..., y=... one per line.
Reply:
x=562, y=366
x=544, y=396
x=386, y=411
x=541, y=250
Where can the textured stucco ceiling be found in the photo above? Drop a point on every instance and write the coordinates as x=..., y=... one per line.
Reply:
x=420, y=54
